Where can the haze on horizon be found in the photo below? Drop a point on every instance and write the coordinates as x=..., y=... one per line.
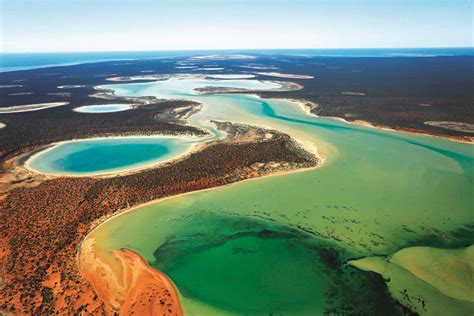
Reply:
x=114, y=25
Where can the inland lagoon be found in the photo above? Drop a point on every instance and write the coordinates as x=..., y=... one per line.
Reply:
x=281, y=244
x=107, y=155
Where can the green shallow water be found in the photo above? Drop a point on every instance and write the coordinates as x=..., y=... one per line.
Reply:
x=377, y=192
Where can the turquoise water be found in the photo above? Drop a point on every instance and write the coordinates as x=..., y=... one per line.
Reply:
x=103, y=108
x=102, y=156
x=377, y=192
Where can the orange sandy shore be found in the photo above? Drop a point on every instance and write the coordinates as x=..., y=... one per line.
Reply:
x=124, y=281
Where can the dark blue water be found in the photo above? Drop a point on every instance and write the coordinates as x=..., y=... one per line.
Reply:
x=21, y=61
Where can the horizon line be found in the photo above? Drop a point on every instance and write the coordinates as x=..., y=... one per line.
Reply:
x=235, y=49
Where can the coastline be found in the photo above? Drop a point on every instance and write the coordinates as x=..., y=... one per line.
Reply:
x=308, y=106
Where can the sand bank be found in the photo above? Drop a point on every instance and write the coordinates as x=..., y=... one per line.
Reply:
x=258, y=67
x=453, y=126
x=74, y=86
x=223, y=57
x=353, y=93
x=6, y=86
x=20, y=93
x=136, y=78
x=280, y=75
x=236, y=76
x=427, y=280
x=31, y=107
x=209, y=69
x=124, y=281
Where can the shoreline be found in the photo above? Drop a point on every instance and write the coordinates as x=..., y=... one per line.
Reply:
x=303, y=104
x=321, y=161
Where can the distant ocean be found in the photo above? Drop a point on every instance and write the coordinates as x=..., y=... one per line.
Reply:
x=23, y=61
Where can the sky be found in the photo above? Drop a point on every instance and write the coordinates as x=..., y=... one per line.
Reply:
x=128, y=25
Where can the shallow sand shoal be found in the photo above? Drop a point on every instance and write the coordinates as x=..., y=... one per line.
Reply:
x=280, y=75
x=31, y=107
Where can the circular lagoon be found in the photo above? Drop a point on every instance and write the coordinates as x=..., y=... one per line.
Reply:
x=103, y=108
x=107, y=155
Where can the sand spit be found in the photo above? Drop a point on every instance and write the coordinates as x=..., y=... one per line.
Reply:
x=258, y=67
x=353, y=93
x=31, y=107
x=6, y=86
x=60, y=94
x=137, y=78
x=209, y=69
x=124, y=281
x=223, y=57
x=280, y=75
x=20, y=93
x=453, y=126
x=237, y=76
x=75, y=86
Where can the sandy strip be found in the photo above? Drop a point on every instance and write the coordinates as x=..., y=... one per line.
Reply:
x=223, y=57
x=6, y=86
x=280, y=75
x=236, y=76
x=20, y=93
x=125, y=282
x=259, y=67
x=135, y=78
x=209, y=69
x=31, y=107
x=353, y=93
x=72, y=86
